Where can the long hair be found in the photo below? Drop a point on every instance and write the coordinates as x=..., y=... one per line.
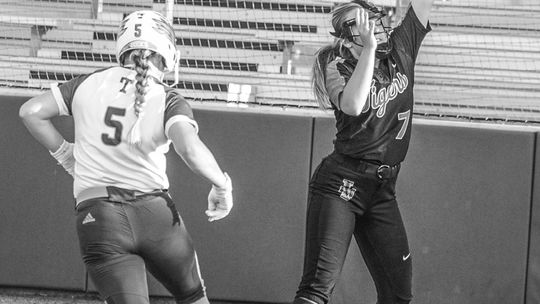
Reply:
x=328, y=53
x=318, y=75
x=140, y=58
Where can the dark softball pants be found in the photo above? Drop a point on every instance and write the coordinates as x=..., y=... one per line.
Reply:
x=344, y=202
x=121, y=236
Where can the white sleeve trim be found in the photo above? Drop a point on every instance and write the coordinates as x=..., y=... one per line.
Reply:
x=62, y=108
x=177, y=118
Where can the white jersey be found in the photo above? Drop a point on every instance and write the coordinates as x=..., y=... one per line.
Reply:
x=101, y=104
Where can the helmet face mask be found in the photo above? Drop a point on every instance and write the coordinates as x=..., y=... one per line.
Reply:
x=383, y=47
x=147, y=30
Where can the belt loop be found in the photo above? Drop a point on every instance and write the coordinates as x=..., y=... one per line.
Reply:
x=387, y=172
x=381, y=171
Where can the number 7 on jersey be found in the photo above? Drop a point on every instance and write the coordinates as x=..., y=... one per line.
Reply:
x=405, y=116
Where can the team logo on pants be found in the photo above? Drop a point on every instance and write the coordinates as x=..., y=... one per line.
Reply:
x=347, y=190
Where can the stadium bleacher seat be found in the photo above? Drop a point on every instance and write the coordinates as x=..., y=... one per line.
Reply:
x=270, y=44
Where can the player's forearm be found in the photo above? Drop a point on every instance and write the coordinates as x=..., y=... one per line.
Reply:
x=356, y=91
x=202, y=162
x=42, y=130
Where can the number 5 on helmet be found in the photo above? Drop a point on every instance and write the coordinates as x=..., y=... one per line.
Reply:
x=152, y=31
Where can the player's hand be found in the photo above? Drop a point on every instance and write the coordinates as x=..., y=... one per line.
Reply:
x=366, y=28
x=64, y=156
x=220, y=201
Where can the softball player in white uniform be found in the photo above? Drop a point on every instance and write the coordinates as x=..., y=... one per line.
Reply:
x=125, y=119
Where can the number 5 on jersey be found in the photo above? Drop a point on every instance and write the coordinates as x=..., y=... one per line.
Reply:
x=117, y=125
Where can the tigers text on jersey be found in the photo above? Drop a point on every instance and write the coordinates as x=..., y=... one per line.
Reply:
x=381, y=133
x=101, y=104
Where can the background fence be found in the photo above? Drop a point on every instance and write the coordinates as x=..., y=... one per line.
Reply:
x=481, y=61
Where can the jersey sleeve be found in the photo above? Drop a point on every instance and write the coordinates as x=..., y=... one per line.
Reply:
x=63, y=93
x=338, y=73
x=177, y=109
x=410, y=33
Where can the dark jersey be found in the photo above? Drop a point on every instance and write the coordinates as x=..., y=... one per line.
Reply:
x=381, y=133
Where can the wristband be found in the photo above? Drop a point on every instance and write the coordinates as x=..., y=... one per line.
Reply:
x=64, y=156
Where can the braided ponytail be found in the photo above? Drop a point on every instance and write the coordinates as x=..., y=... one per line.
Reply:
x=140, y=59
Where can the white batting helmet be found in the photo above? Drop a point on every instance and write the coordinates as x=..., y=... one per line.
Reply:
x=147, y=30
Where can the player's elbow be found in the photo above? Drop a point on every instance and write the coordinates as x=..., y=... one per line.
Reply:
x=184, y=151
x=28, y=111
x=350, y=105
x=351, y=109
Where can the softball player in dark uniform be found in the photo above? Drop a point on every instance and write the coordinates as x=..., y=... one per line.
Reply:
x=125, y=119
x=367, y=77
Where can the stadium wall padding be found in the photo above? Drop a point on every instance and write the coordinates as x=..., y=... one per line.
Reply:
x=39, y=246
x=258, y=249
x=533, y=273
x=466, y=195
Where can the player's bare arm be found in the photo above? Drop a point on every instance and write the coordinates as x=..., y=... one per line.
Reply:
x=202, y=162
x=355, y=93
x=36, y=115
x=195, y=153
x=422, y=8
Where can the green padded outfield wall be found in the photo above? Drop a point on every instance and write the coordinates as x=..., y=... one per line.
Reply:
x=39, y=245
x=465, y=195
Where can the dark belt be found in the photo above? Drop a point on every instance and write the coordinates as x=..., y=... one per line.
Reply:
x=121, y=195
x=382, y=172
